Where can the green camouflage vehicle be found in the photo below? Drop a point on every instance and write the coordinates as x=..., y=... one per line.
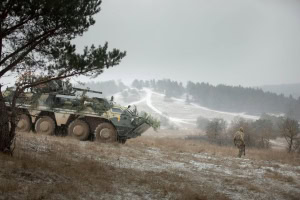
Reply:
x=55, y=106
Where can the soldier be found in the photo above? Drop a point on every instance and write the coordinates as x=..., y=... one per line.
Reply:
x=239, y=141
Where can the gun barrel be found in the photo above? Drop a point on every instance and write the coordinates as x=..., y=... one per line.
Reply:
x=93, y=91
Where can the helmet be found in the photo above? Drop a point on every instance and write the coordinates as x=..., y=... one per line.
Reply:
x=241, y=129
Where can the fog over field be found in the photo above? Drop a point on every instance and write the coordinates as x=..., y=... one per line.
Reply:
x=286, y=89
x=248, y=43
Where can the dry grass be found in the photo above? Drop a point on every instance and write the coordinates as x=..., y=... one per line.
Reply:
x=196, y=146
x=65, y=179
x=280, y=177
x=290, y=195
x=8, y=186
x=246, y=183
x=46, y=176
x=275, y=155
x=63, y=168
x=52, y=175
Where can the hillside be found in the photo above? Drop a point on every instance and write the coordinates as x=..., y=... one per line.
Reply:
x=148, y=167
x=226, y=98
x=285, y=89
x=176, y=110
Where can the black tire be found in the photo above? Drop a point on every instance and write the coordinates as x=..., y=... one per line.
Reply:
x=106, y=133
x=79, y=129
x=45, y=125
x=23, y=124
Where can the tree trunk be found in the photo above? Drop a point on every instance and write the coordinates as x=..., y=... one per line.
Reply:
x=291, y=144
x=6, y=138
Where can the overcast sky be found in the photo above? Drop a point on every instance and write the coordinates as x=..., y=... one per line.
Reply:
x=234, y=42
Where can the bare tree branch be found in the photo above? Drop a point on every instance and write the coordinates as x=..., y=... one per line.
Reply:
x=20, y=24
x=28, y=44
x=5, y=11
x=34, y=44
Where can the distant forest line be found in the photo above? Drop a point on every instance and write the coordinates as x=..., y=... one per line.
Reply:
x=285, y=89
x=221, y=97
x=227, y=98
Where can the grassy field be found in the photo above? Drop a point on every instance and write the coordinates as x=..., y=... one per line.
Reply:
x=198, y=146
x=144, y=168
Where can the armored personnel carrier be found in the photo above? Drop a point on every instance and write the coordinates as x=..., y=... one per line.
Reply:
x=55, y=106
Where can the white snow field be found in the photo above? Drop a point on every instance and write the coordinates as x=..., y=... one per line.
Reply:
x=177, y=111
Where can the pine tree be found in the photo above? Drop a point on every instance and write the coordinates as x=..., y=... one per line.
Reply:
x=35, y=44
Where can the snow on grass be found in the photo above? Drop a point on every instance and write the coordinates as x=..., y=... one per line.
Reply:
x=238, y=178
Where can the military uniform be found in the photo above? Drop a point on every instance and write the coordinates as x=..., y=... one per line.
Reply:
x=239, y=141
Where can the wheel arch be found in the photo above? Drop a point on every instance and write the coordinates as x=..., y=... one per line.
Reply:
x=95, y=121
x=46, y=113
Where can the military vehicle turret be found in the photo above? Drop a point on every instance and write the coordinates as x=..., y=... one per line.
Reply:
x=57, y=106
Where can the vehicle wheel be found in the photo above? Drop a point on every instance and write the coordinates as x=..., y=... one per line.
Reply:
x=106, y=132
x=45, y=125
x=24, y=124
x=79, y=129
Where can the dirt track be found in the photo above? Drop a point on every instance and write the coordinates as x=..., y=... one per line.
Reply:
x=216, y=176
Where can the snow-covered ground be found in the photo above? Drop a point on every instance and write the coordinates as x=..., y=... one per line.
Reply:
x=176, y=110
x=233, y=178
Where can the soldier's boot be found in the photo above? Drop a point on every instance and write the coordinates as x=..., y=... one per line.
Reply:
x=240, y=153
